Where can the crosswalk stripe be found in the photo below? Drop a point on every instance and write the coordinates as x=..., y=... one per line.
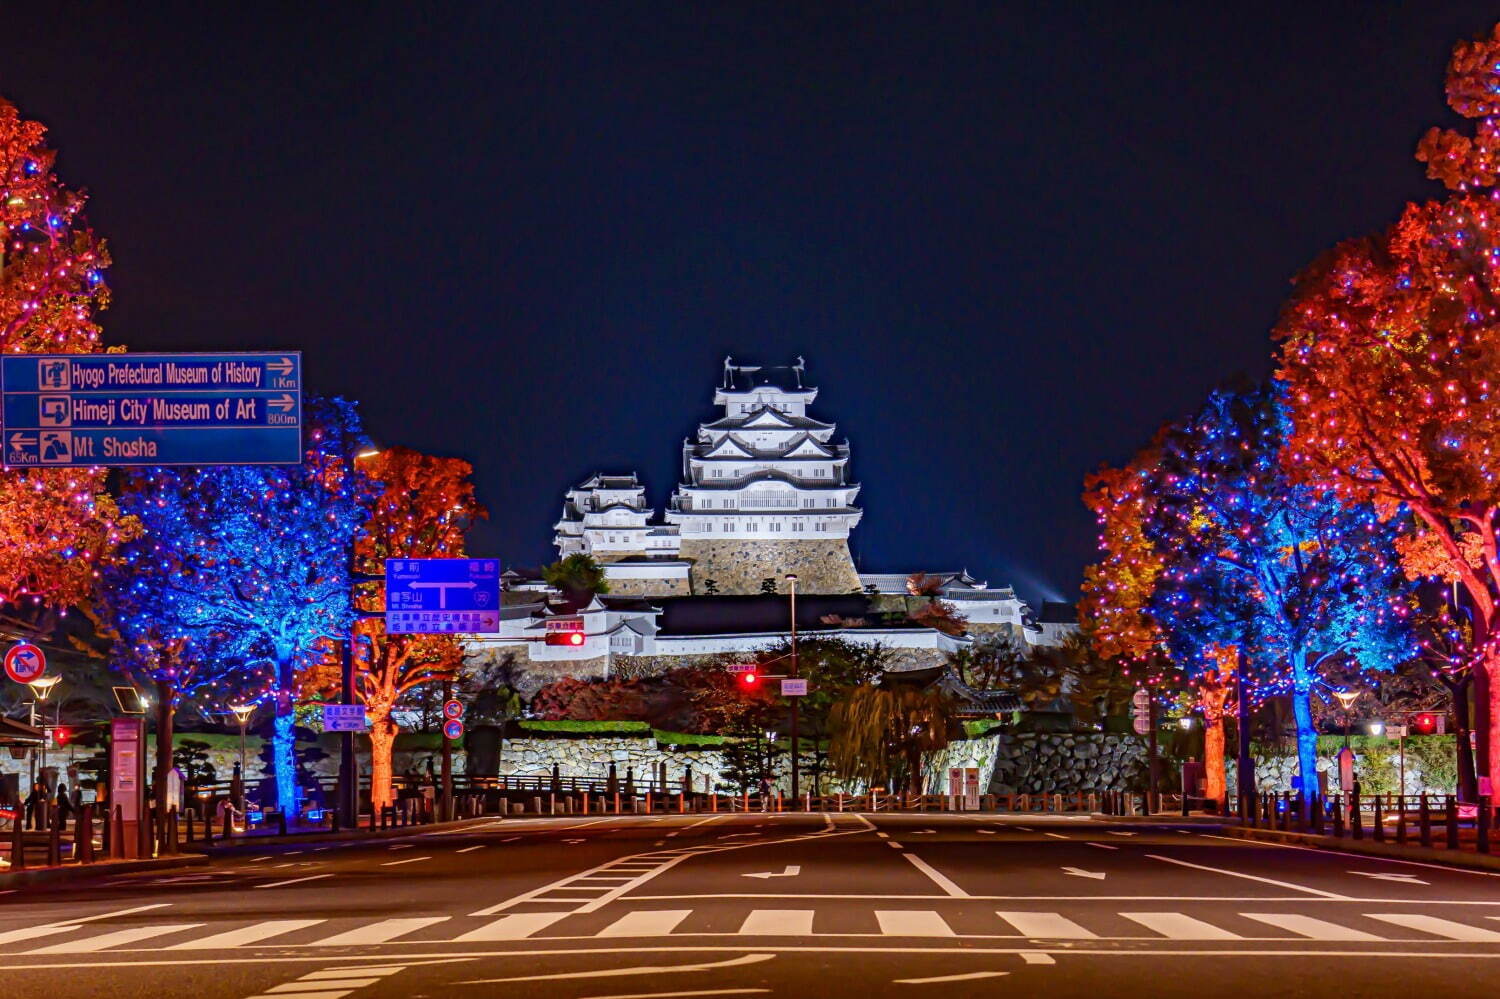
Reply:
x=380, y=932
x=1307, y=926
x=646, y=923
x=516, y=926
x=1176, y=926
x=247, y=934
x=912, y=923
x=115, y=939
x=31, y=932
x=1051, y=925
x=778, y=923
x=300, y=988
x=1438, y=927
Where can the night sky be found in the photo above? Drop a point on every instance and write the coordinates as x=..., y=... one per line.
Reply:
x=1009, y=241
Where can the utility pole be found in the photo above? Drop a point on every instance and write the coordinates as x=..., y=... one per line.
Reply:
x=1244, y=769
x=447, y=770
x=348, y=801
x=791, y=579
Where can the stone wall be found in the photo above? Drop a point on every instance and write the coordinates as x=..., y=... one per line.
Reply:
x=634, y=667
x=678, y=587
x=1062, y=763
x=529, y=675
x=738, y=567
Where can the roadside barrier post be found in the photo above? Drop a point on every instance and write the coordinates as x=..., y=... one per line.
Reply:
x=1400, y=820
x=1338, y=817
x=1356, y=817
x=1424, y=823
x=1482, y=825
x=1451, y=820
x=1377, y=824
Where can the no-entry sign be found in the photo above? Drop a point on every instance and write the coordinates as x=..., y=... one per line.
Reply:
x=25, y=662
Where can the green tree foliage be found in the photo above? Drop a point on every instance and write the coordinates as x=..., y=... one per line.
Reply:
x=578, y=577
x=880, y=734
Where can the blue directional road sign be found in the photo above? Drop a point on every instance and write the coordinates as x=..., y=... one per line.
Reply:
x=116, y=410
x=442, y=596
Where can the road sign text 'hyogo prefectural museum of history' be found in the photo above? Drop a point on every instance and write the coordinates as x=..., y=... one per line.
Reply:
x=116, y=410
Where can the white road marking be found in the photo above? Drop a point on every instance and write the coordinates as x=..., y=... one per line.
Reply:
x=1037, y=957
x=1243, y=841
x=613, y=972
x=271, y=994
x=247, y=934
x=1079, y=872
x=1055, y=835
x=299, y=988
x=892, y=843
x=294, y=881
x=969, y=977
x=912, y=923
x=516, y=926
x=510, y=840
x=982, y=832
x=258, y=860
x=1119, y=832
x=401, y=846
x=790, y=871
x=1176, y=926
x=682, y=995
x=408, y=860
x=938, y=877
x=385, y=969
x=470, y=849
x=1438, y=927
x=1400, y=879
x=32, y=932
x=778, y=923
x=646, y=923
x=1022, y=828
x=1102, y=846
x=883, y=835
x=116, y=939
x=379, y=932
x=1251, y=877
x=1046, y=925
x=1307, y=926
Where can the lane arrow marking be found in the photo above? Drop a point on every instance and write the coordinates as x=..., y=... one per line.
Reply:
x=1404, y=879
x=1078, y=872
x=792, y=870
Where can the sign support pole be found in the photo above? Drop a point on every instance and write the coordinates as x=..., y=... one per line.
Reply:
x=447, y=771
x=348, y=809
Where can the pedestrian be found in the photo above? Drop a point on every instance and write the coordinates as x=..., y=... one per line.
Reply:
x=64, y=804
x=34, y=803
x=765, y=794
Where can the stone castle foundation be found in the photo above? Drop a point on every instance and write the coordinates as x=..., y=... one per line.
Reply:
x=739, y=566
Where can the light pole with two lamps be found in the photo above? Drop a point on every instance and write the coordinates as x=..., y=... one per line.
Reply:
x=41, y=687
x=791, y=580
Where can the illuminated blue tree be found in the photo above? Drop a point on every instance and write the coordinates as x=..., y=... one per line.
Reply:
x=248, y=568
x=1284, y=572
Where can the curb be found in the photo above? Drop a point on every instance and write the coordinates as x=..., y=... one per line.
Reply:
x=1431, y=855
x=103, y=868
x=260, y=843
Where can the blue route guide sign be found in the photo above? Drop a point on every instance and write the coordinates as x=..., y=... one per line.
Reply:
x=120, y=410
x=442, y=596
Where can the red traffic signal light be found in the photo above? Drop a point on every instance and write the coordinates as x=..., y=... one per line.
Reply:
x=749, y=679
x=1425, y=723
x=572, y=638
x=60, y=736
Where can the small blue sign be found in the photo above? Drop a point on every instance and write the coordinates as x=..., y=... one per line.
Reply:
x=120, y=410
x=442, y=596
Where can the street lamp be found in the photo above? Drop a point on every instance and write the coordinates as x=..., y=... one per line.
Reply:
x=791, y=581
x=348, y=808
x=41, y=687
x=243, y=713
x=1347, y=699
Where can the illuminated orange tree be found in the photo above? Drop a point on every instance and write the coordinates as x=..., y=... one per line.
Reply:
x=426, y=505
x=1391, y=348
x=56, y=525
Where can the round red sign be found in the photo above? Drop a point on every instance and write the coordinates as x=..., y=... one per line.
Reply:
x=453, y=709
x=25, y=662
x=453, y=728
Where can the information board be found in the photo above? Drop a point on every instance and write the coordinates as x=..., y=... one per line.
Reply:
x=438, y=596
x=344, y=718
x=121, y=410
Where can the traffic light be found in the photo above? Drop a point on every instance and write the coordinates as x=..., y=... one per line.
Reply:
x=571, y=638
x=749, y=680
x=1425, y=723
x=60, y=736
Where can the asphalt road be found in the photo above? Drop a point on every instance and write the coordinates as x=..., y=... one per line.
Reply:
x=779, y=905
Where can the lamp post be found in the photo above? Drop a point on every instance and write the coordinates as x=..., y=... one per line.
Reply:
x=243, y=713
x=1347, y=699
x=41, y=687
x=791, y=580
x=348, y=809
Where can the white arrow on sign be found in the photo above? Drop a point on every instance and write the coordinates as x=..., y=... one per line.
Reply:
x=285, y=403
x=281, y=367
x=443, y=589
x=1405, y=879
x=21, y=440
x=792, y=870
x=1079, y=872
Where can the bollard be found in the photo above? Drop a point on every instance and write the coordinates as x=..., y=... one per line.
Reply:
x=281, y=821
x=1299, y=817
x=1338, y=817
x=188, y=815
x=1184, y=803
x=1356, y=818
x=1450, y=818
x=208, y=824
x=1400, y=820
x=1424, y=822
x=172, y=841
x=147, y=838
x=1377, y=824
x=1317, y=814
x=117, y=834
x=18, y=841
x=104, y=830
x=1482, y=825
x=617, y=802
x=229, y=821
x=83, y=836
x=54, y=840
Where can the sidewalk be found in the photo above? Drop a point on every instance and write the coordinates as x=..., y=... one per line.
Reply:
x=258, y=842
x=69, y=873
x=1462, y=857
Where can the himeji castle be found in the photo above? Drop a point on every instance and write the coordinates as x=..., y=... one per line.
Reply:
x=765, y=491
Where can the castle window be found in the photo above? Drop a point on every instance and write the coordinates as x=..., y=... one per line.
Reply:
x=808, y=502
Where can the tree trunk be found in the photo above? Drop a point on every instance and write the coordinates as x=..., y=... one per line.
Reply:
x=283, y=753
x=1487, y=708
x=382, y=744
x=1213, y=691
x=1307, y=733
x=1463, y=749
x=166, y=711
